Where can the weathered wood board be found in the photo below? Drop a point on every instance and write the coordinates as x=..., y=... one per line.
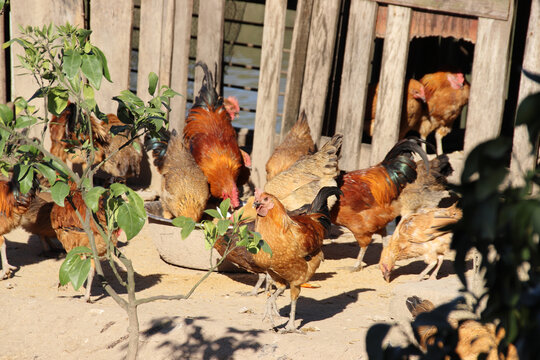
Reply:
x=267, y=97
x=354, y=81
x=391, y=82
x=111, y=23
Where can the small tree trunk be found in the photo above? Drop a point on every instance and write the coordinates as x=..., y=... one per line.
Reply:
x=133, y=331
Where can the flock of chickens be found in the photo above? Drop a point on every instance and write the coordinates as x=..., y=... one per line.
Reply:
x=304, y=195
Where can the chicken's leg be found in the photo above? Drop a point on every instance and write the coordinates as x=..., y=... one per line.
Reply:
x=358, y=264
x=440, y=260
x=438, y=139
x=6, y=268
x=255, y=290
x=271, y=306
x=291, y=327
x=426, y=270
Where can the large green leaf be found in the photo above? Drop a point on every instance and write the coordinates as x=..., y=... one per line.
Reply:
x=88, y=93
x=103, y=60
x=137, y=202
x=223, y=226
x=46, y=171
x=75, y=269
x=24, y=121
x=6, y=114
x=118, y=189
x=91, y=198
x=72, y=63
x=57, y=100
x=213, y=213
x=129, y=219
x=92, y=69
x=152, y=83
x=25, y=183
x=187, y=225
x=59, y=191
x=224, y=207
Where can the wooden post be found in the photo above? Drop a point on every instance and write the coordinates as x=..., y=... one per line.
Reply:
x=391, y=82
x=111, y=23
x=297, y=63
x=3, y=70
x=354, y=80
x=322, y=36
x=57, y=12
x=210, y=39
x=523, y=156
x=180, y=61
x=167, y=28
x=149, y=45
x=267, y=97
x=489, y=81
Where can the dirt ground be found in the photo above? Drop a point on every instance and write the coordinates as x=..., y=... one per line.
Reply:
x=40, y=321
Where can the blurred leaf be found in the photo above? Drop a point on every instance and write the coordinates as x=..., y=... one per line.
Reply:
x=48, y=172
x=71, y=63
x=213, y=213
x=224, y=207
x=74, y=269
x=6, y=114
x=103, y=61
x=374, y=339
x=24, y=121
x=25, y=184
x=223, y=226
x=91, y=198
x=266, y=248
x=152, y=83
x=187, y=225
x=59, y=191
x=118, y=189
x=528, y=113
x=89, y=96
x=57, y=100
x=92, y=69
x=136, y=146
x=129, y=219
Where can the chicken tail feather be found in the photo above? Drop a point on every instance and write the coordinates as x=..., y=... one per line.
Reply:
x=399, y=164
x=159, y=145
x=207, y=94
x=320, y=204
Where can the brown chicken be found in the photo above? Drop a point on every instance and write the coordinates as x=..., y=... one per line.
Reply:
x=37, y=220
x=70, y=233
x=446, y=95
x=428, y=189
x=296, y=244
x=184, y=188
x=13, y=205
x=474, y=338
x=298, y=185
x=369, y=196
x=121, y=165
x=296, y=144
x=212, y=141
x=411, y=113
x=421, y=234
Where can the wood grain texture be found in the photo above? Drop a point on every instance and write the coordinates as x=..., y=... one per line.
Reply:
x=57, y=12
x=180, y=61
x=524, y=158
x=267, y=96
x=488, y=83
x=167, y=28
x=297, y=63
x=391, y=82
x=494, y=9
x=111, y=23
x=3, y=82
x=210, y=39
x=149, y=47
x=354, y=81
x=319, y=62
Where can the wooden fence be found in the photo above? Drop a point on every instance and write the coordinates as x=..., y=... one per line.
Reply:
x=164, y=47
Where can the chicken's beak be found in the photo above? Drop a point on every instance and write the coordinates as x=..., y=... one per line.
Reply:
x=256, y=204
x=386, y=275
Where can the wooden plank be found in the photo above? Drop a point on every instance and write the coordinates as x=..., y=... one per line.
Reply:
x=267, y=96
x=149, y=47
x=391, y=82
x=354, y=80
x=523, y=157
x=167, y=29
x=489, y=72
x=111, y=23
x=426, y=23
x=3, y=70
x=210, y=39
x=493, y=9
x=319, y=62
x=180, y=61
x=297, y=63
x=57, y=12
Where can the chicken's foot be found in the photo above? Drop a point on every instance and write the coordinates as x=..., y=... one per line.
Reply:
x=440, y=260
x=438, y=139
x=6, y=267
x=290, y=327
x=255, y=290
x=271, y=306
x=426, y=270
x=358, y=265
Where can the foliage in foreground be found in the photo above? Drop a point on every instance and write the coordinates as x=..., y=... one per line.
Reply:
x=503, y=223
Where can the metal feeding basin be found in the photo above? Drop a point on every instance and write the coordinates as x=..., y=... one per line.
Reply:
x=189, y=253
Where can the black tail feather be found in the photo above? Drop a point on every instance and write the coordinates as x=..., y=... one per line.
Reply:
x=399, y=164
x=208, y=95
x=159, y=145
x=320, y=204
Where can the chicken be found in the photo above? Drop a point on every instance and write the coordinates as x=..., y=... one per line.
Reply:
x=296, y=144
x=474, y=338
x=70, y=232
x=446, y=95
x=428, y=189
x=369, y=196
x=13, y=205
x=37, y=220
x=184, y=188
x=121, y=165
x=212, y=141
x=411, y=113
x=298, y=185
x=296, y=244
x=421, y=234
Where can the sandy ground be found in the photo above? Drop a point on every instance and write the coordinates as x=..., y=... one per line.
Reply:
x=40, y=321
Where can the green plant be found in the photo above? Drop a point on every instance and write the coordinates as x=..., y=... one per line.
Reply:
x=503, y=223
x=67, y=67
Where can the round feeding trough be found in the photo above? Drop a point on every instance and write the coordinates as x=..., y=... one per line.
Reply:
x=190, y=252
